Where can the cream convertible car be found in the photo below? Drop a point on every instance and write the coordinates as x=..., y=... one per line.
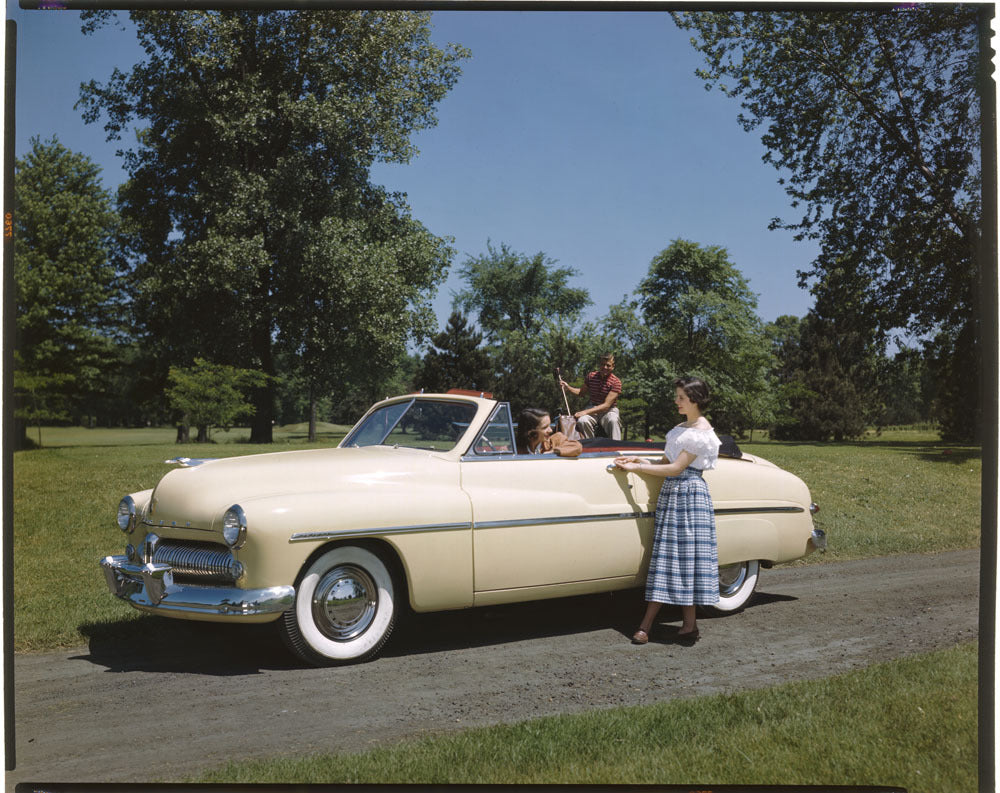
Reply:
x=426, y=503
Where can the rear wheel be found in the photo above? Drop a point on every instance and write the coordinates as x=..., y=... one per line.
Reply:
x=737, y=583
x=345, y=608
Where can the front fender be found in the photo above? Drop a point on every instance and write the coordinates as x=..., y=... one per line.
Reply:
x=429, y=529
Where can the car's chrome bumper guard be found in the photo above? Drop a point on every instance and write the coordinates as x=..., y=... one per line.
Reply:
x=819, y=539
x=152, y=586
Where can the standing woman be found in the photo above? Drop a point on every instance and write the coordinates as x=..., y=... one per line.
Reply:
x=684, y=567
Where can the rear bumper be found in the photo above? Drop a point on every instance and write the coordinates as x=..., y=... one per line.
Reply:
x=151, y=587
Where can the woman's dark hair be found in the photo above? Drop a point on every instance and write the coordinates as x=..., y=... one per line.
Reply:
x=527, y=423
x=696, y=390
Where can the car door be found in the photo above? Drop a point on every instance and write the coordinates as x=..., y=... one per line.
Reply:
x=543, y=520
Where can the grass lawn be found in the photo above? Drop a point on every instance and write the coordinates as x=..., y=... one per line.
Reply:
x=903, y=492
x=910, y=723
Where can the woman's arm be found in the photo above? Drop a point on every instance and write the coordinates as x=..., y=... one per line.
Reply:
x=564, y=447
x=660, y=468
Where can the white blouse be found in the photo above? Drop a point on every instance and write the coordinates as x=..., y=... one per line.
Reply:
x=702, y=443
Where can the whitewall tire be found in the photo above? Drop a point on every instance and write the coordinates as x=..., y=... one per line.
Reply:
x=345, y=608
x=737, y=583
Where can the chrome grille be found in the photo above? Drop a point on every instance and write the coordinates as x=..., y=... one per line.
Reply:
x=203, y=561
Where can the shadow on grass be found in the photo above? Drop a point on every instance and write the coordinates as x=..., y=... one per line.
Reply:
x=929, y=451
x=949, y=455
x=156, y=644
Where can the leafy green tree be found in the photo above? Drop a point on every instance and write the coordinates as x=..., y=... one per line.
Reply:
x=211, y=395
x=528, y=313
x=785, y=336
x=394, y=378
x=906, y=390
x=357, y=310
x=249, y=214
x=872, y=117
x=650, y=382
x=509, y=291
x=457, y=359
x=66, y=293
x=702, y=318
x=825, y=396
x=134, y=391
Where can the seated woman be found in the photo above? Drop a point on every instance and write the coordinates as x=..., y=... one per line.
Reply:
x=535, y=435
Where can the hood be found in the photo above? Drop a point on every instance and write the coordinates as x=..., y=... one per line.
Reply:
x=199, y=496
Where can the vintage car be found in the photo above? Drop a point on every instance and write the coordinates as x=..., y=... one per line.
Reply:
x=425, y=504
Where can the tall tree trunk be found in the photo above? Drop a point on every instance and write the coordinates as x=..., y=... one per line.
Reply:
x=261, y=427
x=312, y=414
x=262, y=424
x=20, y=434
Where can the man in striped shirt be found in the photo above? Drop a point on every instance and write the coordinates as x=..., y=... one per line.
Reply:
x=603, y=388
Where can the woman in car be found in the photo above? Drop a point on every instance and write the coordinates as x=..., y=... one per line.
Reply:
x=535, y=435
x=684, y=567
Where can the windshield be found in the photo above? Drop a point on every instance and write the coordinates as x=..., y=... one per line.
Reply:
x=419, y=424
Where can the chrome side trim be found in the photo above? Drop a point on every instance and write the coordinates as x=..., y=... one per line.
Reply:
x=502, y=524
x=756, y=510
x=303, y=536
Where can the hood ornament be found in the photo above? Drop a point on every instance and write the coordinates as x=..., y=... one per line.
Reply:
x=189, y=462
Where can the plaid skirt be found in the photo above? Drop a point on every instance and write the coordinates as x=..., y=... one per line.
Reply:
x=684, y=568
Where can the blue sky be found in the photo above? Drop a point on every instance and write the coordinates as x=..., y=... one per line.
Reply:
x=583, y=135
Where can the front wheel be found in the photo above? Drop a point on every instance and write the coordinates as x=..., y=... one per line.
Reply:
x=344, y=609
x=737, y=583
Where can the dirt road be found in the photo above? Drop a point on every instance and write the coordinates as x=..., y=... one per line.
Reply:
x=198, y=694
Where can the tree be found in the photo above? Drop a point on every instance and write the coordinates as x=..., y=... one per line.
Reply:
x=456, y=359
x=823, y=396
x=528, y=313
x=67, y=296
x=702, y=318
x=211, y=395
x=906, y=388
x=357, y=311
x=510, y=292
x=249, y=215
x=873, y=119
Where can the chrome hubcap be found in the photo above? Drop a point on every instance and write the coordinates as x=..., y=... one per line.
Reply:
x=731, y=578
x=344, y=603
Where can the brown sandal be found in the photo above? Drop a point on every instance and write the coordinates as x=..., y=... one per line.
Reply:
x=640, y=637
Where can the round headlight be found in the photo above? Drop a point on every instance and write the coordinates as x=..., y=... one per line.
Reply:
x=234, y=526
x=126, y=514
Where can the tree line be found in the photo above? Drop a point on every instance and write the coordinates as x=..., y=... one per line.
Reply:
x=249, y=247
x=694, y=313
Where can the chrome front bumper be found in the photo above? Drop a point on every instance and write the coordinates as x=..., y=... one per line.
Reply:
x=151, y=586
x=818, y=539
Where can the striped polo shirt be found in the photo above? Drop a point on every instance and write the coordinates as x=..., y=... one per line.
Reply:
x=598, y=388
